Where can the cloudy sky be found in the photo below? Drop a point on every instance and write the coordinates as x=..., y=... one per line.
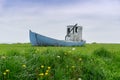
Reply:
x=100, y=19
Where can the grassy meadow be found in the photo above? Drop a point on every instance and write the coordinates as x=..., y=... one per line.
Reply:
x=89, y=62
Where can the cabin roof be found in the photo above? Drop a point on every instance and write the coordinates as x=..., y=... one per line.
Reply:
x=70, y=26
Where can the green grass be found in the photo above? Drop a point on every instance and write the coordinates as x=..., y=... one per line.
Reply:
x=90, y=62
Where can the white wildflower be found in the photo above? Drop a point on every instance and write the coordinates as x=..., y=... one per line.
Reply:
x=79, y=79
x=58, y=56
x=73, y=49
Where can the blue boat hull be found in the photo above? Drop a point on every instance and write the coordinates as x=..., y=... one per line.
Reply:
x=40, y=40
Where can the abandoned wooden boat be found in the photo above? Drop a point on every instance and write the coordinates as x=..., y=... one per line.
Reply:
x=71, y=40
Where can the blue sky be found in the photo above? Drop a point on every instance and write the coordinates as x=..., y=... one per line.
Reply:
x=100, y=19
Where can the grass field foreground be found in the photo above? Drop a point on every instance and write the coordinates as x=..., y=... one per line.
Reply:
x=90, y=62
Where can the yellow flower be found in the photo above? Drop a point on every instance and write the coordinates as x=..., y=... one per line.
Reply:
x=7, y=70
x=41, y=74
x=46, y=73
x=4, y=73
x=73, y=67
x=42, y=66
x=24, y=66
x=49, y=68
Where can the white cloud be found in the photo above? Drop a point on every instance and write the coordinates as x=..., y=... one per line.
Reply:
x=100, y=21
x=1, y=4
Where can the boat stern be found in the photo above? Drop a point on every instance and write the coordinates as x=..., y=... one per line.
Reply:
x=32, y=38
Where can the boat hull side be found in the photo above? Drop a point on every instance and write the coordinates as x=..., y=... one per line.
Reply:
x=40, y=40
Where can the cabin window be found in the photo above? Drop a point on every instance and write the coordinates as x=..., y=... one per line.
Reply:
x=76, y=29
x=68, y=30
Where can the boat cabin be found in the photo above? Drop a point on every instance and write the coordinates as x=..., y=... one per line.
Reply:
x=74, y=33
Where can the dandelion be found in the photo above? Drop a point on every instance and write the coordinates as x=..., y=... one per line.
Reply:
x=42, y=66
x=73, y=67
x=46, y=73
x=73, y=49
x=7, y=70
x=4, y=73
x=49, y=68
x=41, y=74
x=24, y=66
